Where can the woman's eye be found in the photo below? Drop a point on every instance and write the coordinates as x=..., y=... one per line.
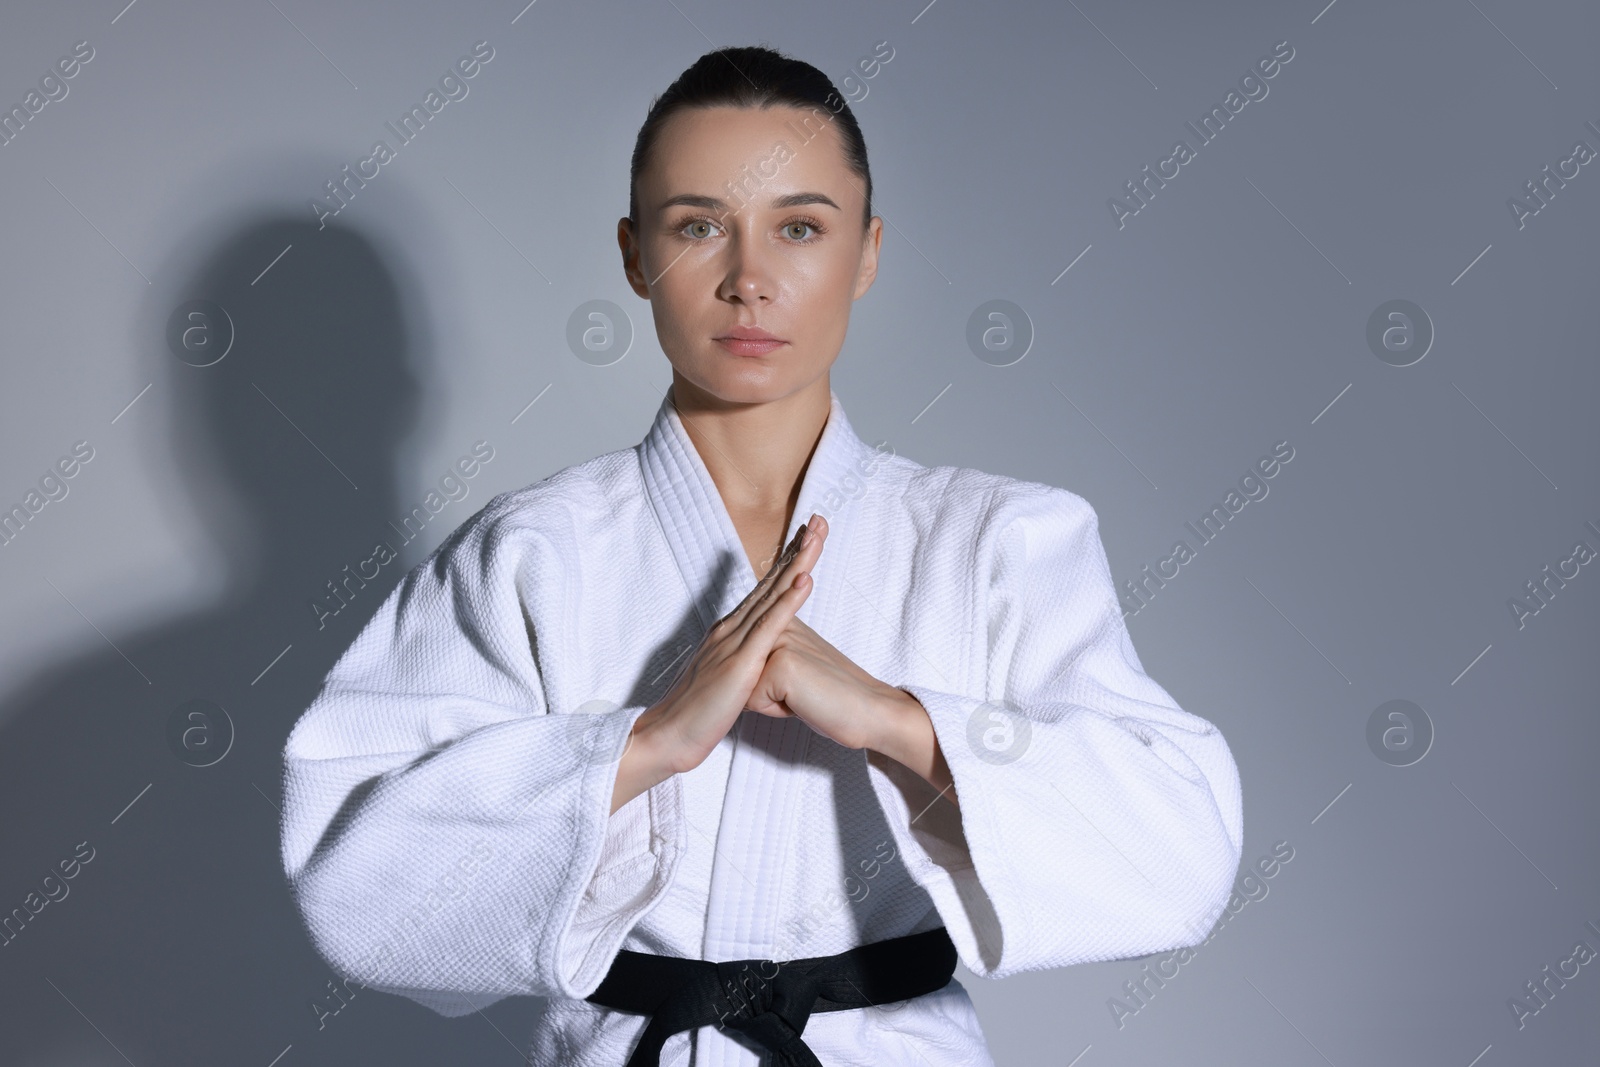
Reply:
x=798, y=231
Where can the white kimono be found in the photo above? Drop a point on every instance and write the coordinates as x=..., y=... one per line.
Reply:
x=447, y=827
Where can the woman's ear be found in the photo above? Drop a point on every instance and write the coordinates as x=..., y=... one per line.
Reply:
x=871, y=241
x=632, y=255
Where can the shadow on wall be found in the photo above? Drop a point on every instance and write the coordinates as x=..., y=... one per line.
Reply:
x=143, y=894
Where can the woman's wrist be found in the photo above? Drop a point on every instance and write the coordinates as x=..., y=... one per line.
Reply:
x=907, y=737
x=645, y=762
x=901, y=738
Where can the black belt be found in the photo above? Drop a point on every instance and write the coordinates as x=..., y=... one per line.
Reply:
x=768, y=1000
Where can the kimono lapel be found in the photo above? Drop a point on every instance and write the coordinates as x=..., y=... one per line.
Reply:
x=696, y=522
x=761, y=800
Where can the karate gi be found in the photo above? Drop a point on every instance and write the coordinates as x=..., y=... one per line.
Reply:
x=447, y=830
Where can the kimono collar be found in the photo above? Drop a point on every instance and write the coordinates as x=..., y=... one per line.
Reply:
x=696, y=522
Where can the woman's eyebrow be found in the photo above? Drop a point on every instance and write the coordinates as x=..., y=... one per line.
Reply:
x=711, y=203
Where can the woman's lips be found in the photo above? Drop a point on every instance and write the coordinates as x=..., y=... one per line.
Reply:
x=741, y=347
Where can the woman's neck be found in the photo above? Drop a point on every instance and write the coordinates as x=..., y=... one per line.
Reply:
x=757, y=454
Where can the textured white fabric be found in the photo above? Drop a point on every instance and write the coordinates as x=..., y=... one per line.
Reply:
x=447, y=828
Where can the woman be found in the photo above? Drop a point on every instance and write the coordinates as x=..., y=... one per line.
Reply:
x=582, y=752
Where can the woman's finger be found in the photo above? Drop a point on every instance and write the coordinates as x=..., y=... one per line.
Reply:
x=771, y=622
x=774, y=572
x=773, y=581
x=802, y=558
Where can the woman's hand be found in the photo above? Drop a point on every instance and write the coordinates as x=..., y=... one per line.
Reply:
x=807, y=677
x=678, y=732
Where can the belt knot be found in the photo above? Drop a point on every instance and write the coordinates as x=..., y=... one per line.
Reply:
x=771, y=1003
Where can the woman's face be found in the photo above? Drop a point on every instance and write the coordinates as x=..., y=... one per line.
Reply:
x=745, y=222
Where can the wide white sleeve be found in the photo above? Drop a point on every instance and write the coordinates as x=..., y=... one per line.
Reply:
x=1097, y=819
x=447, y=835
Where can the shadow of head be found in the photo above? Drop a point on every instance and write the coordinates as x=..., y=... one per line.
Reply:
x=292, y=358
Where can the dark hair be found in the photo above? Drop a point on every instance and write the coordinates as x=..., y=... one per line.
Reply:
x=751, y=77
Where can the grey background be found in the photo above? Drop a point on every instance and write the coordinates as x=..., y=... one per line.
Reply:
x=1227, y=315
